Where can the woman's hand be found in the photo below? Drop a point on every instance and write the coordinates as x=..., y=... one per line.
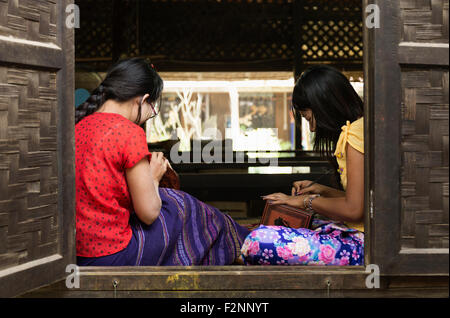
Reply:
x=158, y=166
x=281, y=198
x=308, y=187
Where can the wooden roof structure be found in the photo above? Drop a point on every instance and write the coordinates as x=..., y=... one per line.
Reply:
x=221, y=35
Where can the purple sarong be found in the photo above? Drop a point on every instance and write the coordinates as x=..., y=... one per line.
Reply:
x=187, y=232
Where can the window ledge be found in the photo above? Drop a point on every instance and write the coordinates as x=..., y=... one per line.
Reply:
x=222, y=278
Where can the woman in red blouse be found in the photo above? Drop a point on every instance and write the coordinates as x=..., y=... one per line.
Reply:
x=123, y=217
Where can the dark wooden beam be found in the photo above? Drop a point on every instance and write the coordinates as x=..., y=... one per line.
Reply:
x=123, y=13
x=31, y=54
x=412, y=53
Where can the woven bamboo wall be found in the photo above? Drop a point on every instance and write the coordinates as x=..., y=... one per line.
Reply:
x=29, y=19
x=425, y=119
x=424, y=21
x=28, y=141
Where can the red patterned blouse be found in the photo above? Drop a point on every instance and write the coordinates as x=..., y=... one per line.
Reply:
x=105, y=145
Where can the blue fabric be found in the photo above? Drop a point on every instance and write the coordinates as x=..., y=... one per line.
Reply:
x=81, y=95
x=125, y=257
x=187, y=232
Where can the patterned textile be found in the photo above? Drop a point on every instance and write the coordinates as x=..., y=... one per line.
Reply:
x=327, y=243
x=187, y=232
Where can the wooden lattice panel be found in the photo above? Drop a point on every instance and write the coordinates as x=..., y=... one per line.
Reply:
x=211, y=31
x=424, y=180
x=94, y=38
x=425, y=20
x=29, y=19
x=28, y=165
x=331, y=31
x=211, y=35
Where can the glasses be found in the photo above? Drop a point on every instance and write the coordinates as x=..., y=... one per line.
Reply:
x=155, y=106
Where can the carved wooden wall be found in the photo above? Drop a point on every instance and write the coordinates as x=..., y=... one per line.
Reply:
x=36, y=144
x=28, y=165
x=28, y=141
x=425, y=98
x=406, y=100
x=29, y=20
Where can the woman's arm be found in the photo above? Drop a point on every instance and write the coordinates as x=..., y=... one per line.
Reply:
x=347, y=208
x=143, y=182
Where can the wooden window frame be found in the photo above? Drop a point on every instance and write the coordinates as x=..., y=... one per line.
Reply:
x=382, y=206
x=189, y=280
x=383, y=84
x=384, y=59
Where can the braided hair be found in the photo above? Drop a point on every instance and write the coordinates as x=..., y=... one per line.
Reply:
x=125, y=80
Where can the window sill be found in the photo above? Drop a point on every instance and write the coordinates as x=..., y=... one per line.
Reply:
x=222, y=278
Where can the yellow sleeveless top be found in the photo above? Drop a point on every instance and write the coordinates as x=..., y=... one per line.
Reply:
x=352, y=133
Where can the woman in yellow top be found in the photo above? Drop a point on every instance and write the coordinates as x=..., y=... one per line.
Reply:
x=334, y=110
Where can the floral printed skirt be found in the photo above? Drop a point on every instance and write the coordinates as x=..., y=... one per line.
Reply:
x=326, y=243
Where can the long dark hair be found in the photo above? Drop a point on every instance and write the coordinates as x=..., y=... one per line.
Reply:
x=125, y=80
x=332, y=100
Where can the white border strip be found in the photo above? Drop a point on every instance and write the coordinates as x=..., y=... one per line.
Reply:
x=28, y=42
x=18, y=268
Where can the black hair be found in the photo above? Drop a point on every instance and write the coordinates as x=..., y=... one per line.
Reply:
x=125, y=80
x=333, y=101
